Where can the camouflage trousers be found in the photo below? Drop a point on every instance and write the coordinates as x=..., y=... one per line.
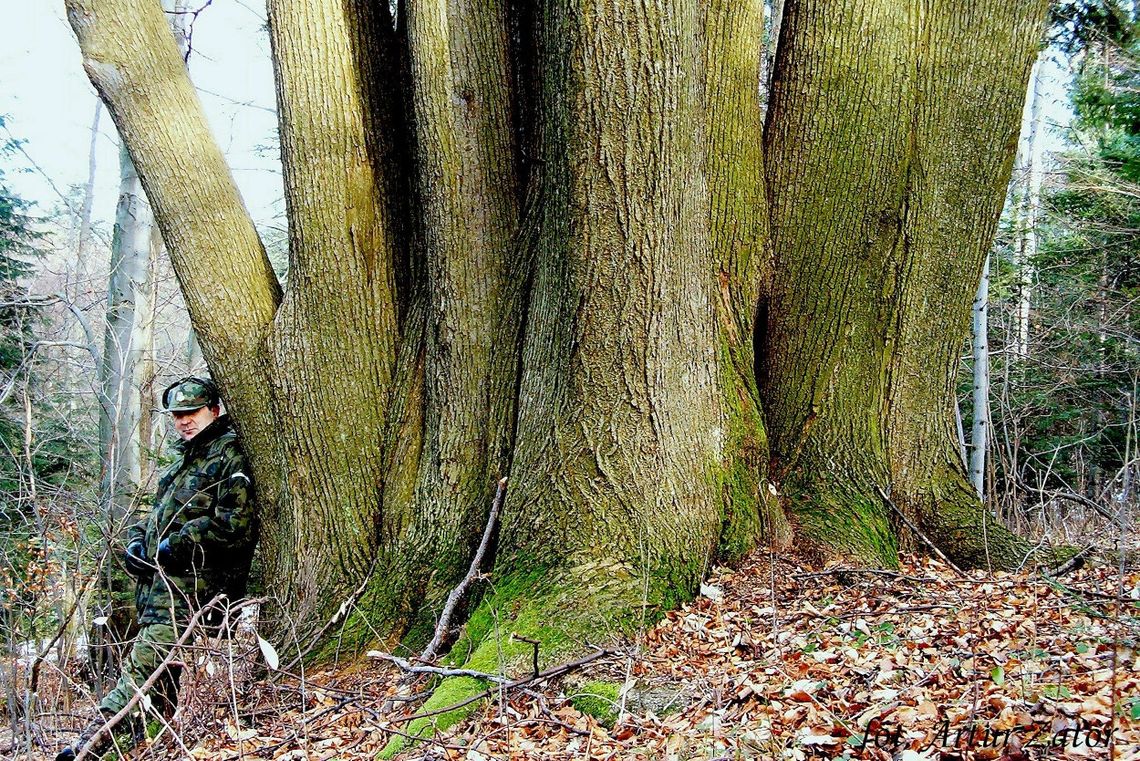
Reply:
x=151, y=648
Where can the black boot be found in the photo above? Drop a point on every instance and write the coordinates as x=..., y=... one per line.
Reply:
x=98, y=748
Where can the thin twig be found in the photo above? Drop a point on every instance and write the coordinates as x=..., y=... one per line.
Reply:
x=453, y=598
x=1073, y=563
x=548, y=674
x=412, y=669
x=341, y=612
x=110, y=724
x=914, y=529
x=65, y=621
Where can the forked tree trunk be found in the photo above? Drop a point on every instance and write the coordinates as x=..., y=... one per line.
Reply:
x=533, y=239
x=882, y=212
x=463, y=330
x=738, y=226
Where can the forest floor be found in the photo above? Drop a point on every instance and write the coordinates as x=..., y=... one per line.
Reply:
x=773, y=661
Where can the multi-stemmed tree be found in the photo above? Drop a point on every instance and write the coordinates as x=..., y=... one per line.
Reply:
x=554, y=240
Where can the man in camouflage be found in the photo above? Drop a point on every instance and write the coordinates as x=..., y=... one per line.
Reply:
x=193, y=545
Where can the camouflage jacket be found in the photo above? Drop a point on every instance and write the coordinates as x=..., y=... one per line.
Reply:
x=204, y=505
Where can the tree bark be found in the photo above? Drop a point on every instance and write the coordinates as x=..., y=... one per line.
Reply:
x=1030, y=155
x=538, y=238
x=330, y=356
x=738, y=225
x=127, y=303
x=620, y=371
x=467, y=192
x=886, y=175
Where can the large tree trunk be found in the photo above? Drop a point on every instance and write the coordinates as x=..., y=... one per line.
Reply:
x=742, y=264
x=467, y=311
x=887, y=172
x=329, y=355
x=535, y=238
x=620, y=348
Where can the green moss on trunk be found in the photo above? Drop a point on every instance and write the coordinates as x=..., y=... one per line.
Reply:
x=566, y=610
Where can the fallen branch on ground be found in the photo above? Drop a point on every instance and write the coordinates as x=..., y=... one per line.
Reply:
x=550, y=673
x=411, y=669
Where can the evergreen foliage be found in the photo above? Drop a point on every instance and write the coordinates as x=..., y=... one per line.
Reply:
x=1065, y=416
x=18, y=532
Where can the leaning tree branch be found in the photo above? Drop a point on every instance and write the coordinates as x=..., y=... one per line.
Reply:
x=135, y=65
x=188, y=632
x=922, y=537
x=453, y=598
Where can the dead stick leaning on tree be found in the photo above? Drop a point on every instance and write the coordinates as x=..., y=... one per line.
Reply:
x=429, y=653
x=914, y=529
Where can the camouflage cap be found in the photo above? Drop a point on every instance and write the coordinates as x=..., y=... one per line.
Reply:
x=189, y=394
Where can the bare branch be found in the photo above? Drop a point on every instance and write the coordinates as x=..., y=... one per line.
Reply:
x=429, y=653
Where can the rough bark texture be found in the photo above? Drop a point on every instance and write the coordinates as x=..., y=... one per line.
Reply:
x=738, y=228
x=620, y=355
x=330, y=356
x=466, y=191
x=535, y=238
x=882, y=212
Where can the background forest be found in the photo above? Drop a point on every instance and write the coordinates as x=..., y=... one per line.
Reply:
x=93, y=327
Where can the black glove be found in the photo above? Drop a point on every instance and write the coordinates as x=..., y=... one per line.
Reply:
x=135, y=559
x=172, y=555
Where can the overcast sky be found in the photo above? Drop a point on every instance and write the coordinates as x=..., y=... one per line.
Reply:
x=48, y=102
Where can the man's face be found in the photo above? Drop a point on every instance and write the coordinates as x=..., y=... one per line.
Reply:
x=190, y=424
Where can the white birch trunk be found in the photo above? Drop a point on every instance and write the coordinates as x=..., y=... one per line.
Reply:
x=1031, y=154
x=979, y=434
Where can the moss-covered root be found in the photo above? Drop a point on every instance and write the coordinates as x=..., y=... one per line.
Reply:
x=961, y=527
x=560, y=609
x=839, y=516
x=602, y=700
x=450, y=692
x=496, y=651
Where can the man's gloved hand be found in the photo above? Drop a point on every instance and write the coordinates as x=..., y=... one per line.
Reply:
x=171, y=554
x=135, y=559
